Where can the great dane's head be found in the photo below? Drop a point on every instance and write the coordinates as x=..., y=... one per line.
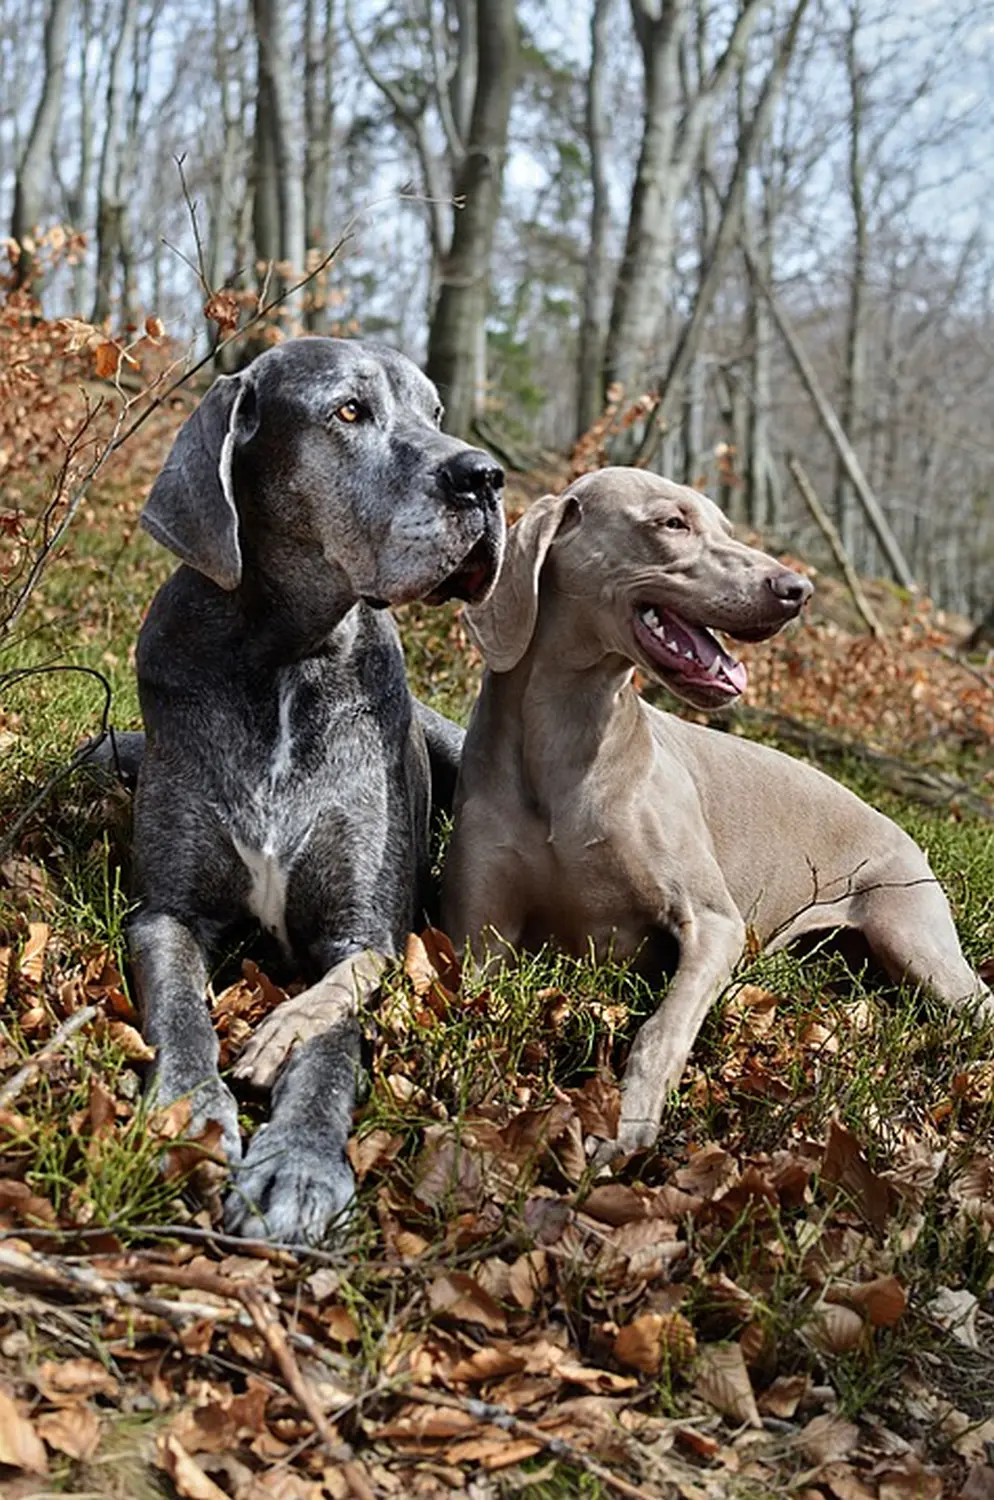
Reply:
x=326, y=454
x=642, y=568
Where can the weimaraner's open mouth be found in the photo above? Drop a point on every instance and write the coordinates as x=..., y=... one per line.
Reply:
x=689, y=653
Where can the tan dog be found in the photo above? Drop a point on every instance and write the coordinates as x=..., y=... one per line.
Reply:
x=582, y=813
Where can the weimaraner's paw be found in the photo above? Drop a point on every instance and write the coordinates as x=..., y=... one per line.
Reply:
x=633, y=1135
x=287, y=1193
x=209, y=1100
x=316, y=1010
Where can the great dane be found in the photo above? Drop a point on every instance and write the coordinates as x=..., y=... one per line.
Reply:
x=286, y=769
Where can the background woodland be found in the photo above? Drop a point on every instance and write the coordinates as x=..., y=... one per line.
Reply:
x=647, y=186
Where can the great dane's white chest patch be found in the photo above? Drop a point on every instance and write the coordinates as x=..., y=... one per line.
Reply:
x=274, y=827
x=267, y=893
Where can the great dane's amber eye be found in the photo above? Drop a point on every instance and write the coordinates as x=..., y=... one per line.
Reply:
x=349, y=411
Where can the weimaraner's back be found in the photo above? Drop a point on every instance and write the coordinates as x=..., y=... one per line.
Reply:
x=582, y=812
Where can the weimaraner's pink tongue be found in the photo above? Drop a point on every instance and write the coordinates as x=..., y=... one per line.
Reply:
x=697, y=654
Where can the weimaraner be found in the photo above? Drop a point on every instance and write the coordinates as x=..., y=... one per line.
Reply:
x=583, y=813
x=286, y=769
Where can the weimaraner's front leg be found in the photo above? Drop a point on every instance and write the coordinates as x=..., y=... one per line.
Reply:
x=711, y=943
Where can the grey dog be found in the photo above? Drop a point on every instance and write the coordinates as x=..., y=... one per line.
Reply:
x=286, y=769
x=585, y=815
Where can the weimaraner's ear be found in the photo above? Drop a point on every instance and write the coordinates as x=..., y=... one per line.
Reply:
x=191, y=509
x=503, y=625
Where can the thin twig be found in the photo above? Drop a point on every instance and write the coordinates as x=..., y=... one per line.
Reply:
x=830, y=532
x=499, y=1416
x=271, y=1328
x=23, y=1076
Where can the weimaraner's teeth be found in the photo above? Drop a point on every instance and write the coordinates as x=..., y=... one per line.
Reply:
x=715, y=667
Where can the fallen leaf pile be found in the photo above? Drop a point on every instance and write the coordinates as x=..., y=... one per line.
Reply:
x=695, y=1319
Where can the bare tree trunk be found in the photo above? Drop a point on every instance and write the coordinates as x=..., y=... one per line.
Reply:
x=277, y=152
x=729, y=225
x=670, y=147
x=759, y=334
x=460, y=313
x=110, y=203
x=29, y=189
x=77, y=201
x=853, y=380
x=875, y=516
x=596, y=281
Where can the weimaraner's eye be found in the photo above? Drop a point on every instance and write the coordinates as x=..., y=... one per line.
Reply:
x=352, y=411
x=439, y=414
x=675, y=523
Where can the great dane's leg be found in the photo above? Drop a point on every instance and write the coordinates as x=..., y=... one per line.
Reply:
x=445, y=741
x=171, y=978
x=295, y=1183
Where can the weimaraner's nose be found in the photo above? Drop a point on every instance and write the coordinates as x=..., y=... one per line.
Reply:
x=792, y=588
x=472, y=474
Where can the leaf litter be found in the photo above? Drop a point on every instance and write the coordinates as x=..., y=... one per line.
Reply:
x=699, y=1315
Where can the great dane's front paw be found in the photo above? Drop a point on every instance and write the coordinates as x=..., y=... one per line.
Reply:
x=287, y=1191
x=210, y=1100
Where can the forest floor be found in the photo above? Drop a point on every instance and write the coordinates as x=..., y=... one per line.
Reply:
x=793, y=1292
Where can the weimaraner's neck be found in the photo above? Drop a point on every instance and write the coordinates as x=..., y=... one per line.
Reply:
x=573, y=714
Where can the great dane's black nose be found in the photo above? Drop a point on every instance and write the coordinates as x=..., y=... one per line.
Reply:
x=472, y=474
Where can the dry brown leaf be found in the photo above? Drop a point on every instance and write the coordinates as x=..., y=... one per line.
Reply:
x=783, y=1396
x=493, y=1449
x=456, y=1295
x=654, y=1339
x=528, y=1278
x=341, y=1325
x=721, y=1379
x=189, y=1478
x=105, y=360
x=598, y=1104
x=64, y=1382
x=130, y=1041
x=18, y=1204
x=74, y=1430
x=616, y=1204
x=906, y=1478
x=442, y=957
x=979, y=1483
x=32, y=962
x=883, y=1300
x=835, y=1329
x=447, y=1171
x=222, y=309
x=20, y=1445
x=154, y=328
x=845, y=1165
x=491, y=1363
x=844, y=1483
x=427, y=1424
x=827, y=1437
x=372, y=1150
x=709, y=1170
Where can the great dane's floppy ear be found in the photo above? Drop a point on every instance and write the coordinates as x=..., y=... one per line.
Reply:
x=503, y=625
x=191, y=509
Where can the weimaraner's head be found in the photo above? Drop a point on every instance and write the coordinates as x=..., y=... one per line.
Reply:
x=633, y=565
x=324, y=457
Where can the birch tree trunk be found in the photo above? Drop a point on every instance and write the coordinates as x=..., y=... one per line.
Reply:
x=459, y=320
x=277, y=155
x=670, y=148
x=29, y=188
x=853, y=379
x=596, y=281
x=110, y=203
